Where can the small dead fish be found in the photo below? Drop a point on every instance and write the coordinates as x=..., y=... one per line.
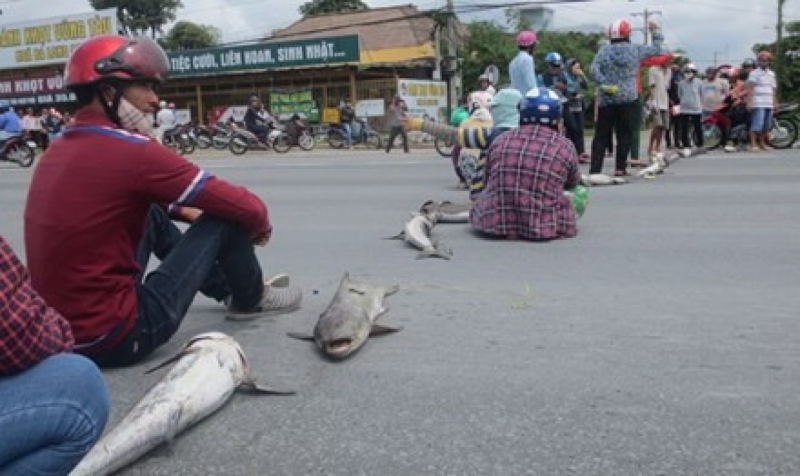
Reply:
x=446, y=211
x=417, y=233
x=601, y=179
x=349, y=319
x=206, y=373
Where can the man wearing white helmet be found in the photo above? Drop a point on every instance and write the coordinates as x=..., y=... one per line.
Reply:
x=165, y=120
x=615, y=68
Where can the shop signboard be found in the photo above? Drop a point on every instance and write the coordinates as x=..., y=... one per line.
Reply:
x=50, y=41
x=424, y=98
x=314, y=52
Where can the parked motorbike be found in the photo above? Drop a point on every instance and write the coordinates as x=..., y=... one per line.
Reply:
x=784, y=131
x=222, y=133
x=179, y=139
x=18, y=150
x=299, y=136
x=782, y=134
x=244, y=140
x=362, y=134
x=202, y=136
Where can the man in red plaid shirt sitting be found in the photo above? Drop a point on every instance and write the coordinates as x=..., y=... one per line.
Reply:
x=527, y=172
x=54, y=403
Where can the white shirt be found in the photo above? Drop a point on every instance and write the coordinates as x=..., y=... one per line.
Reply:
x=658, y=79
x=165, y=119
x=764, y=87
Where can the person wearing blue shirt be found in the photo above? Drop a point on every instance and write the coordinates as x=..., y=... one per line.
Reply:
x=521, y=69
x=10, y=123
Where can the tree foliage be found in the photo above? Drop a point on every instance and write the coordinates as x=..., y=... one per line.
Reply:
x=788, y=64
x=320, y=7
x=186, y=35
x=141, y=16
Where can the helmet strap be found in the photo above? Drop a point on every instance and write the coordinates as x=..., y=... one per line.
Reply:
x=111, y=106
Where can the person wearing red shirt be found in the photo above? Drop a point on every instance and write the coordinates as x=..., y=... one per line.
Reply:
x=54, y=404
x=101, y=201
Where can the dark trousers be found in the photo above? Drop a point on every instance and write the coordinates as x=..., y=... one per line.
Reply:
x=613, y=120
x=692, y=124
x=574, y=124
x=397, y=131
x=214, y=256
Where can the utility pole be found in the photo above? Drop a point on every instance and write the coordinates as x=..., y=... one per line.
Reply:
x=450, y=60
x=646, y=14
x=778, y=46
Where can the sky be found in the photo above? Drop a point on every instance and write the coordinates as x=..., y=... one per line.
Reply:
x=708, y=30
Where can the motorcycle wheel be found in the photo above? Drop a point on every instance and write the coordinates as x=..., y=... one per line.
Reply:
x=220, y=141
x=281, y=144
x=21, y=154
x=335, y=139
x=306, y=142
x=188, y=146
x=444, y=147
x=238, y=145
x=783, y=133
x=712, y=135
x=174, y=145
x=204, y=140
x=373, y=140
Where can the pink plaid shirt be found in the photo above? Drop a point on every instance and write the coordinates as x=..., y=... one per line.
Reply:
x=526, y=175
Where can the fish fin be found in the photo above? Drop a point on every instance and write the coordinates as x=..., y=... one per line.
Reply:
x=391, y=290
x=428, y=206
x=170, y=360
x=379, y=330
x=438, y=251
x=399, y=236
x=253, y=388
x=300, y=336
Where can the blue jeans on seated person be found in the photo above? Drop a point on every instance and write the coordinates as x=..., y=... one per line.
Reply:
x=51, y=416
x=214, y=256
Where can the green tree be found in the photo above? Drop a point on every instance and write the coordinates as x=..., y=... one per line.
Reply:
x=788, y=64
x=319, y=7
x=186, y=35
x=141, y=16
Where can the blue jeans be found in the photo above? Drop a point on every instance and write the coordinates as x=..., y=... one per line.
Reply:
x=214, y=256
x=51, y=415
x=760, y=119
x=347, y=128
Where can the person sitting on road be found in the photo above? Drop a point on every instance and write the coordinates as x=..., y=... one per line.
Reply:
x=10, y=122
x=120, y=188
x=55, y=404
x=504, y=109
x=528, y=171
x=255, y=121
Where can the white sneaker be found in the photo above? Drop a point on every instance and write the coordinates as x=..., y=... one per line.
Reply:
x=686, y=152
x=279, y=298
x=730, y=148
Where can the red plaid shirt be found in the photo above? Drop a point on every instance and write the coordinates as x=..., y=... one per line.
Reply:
x=527, y=171
x=29, y=330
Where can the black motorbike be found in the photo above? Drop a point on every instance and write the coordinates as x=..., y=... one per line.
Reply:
x=19, y=150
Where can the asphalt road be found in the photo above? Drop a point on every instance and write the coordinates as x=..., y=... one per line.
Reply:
x=663, y=339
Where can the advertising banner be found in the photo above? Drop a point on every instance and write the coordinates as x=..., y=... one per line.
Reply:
x=424, y=98
x=50, y=41
x=284, y=104
x=35, y=89
x=309, y=52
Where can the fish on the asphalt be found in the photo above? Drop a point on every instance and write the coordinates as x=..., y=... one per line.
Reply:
x=206, y=372
x=601, y=179
x=446, y=211
x=349, y=319
x=417, y=233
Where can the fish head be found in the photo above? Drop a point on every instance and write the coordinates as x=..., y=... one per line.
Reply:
x=229, y=353
x=344, y=326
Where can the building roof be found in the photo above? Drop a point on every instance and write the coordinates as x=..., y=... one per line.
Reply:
x=388, y=35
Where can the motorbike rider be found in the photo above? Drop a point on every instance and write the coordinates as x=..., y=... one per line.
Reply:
x=255, y=121
x=10, y=122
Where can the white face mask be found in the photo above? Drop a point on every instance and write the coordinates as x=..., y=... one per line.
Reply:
x=132, y=118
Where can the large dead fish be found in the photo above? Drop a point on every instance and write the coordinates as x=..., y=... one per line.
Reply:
x=417, y=233
x=446, y=211
x=349, y=320
x=601, y=179
x=208, y=370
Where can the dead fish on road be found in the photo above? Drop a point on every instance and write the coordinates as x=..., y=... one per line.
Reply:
x=417, y=233
x=208, y=370
x=446, y=211
x=601, y=179
x=350, y=318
